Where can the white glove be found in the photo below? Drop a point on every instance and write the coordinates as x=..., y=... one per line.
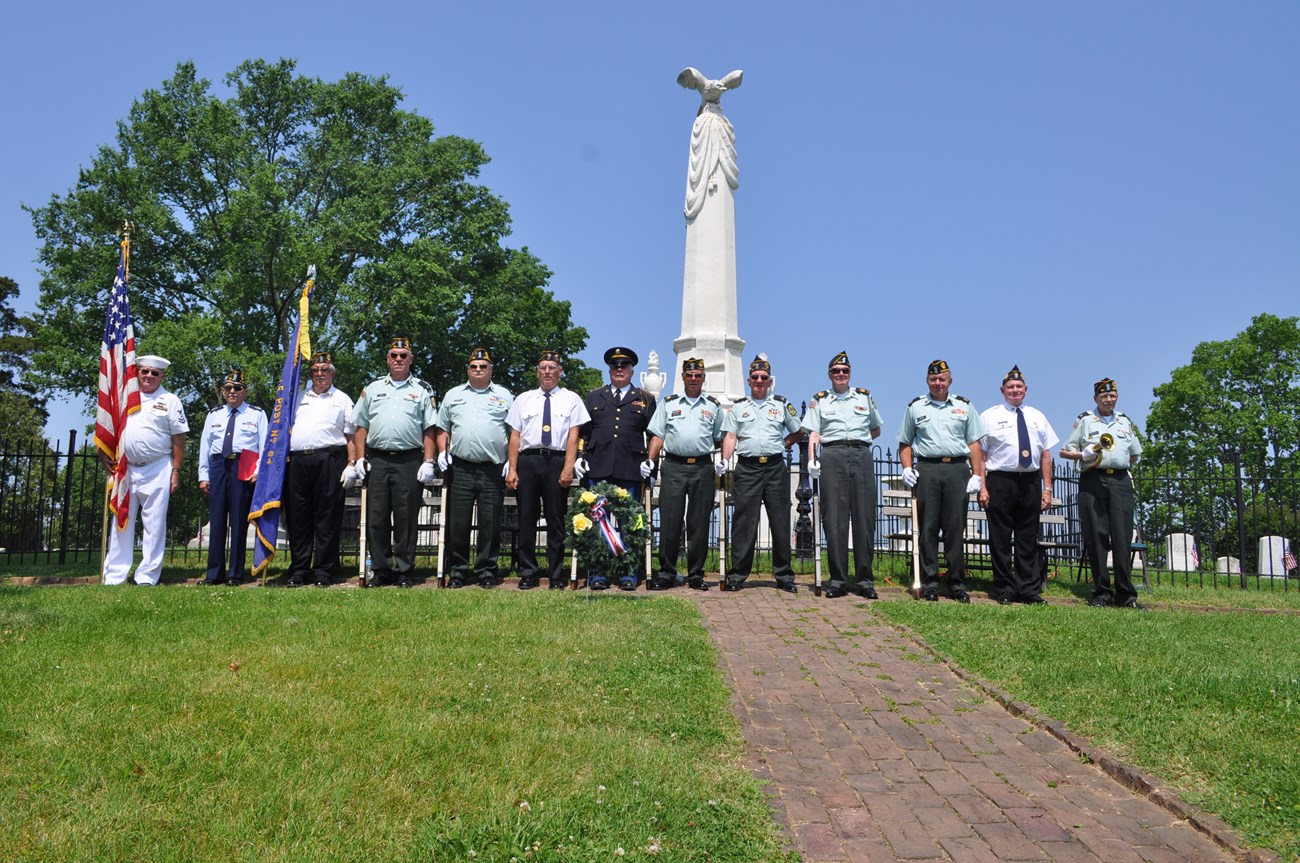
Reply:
x=647, y=468
x=349, y=478
x=362, y=467
x=424, y=476
x=910, y=476
x=972, y=484
x=720, y=467
x=814, y=469
x=444, y=460
x=580, y=468
x=1091, y=453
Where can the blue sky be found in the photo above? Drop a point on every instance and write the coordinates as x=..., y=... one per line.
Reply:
x=1085, y=189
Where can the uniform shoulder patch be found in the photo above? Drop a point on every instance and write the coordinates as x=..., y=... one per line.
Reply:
x=789, y=408
x=862, y=391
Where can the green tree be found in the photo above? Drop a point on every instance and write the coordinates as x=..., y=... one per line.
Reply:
x=234, y=197
x=17, y=344
x=1240, y=396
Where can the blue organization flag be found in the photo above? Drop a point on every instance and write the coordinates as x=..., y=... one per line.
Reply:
x=264, y=514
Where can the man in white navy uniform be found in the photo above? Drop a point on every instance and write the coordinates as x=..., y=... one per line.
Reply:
x=154, y=443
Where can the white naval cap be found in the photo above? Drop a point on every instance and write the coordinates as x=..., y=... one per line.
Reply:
x=152, y=362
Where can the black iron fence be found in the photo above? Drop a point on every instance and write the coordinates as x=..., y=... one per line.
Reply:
x=1228, y=527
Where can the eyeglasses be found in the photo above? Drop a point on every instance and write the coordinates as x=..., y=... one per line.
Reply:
x=479, y=367
x=690, y=376
x=396, y=355
x=149, y=373
x=321, y=370
x=839, y=371
x=760, y=378
x=233, y=388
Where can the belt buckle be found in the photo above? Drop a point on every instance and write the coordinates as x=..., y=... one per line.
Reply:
x=763, y=459
x=690, y=459
x=947, y=459
x=1110, y=470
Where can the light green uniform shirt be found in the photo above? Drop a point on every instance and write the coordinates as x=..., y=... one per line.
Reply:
x=850, y=415
x=1089, y=428
x=395, y=414
x=941, y=429
x=761, y=427
x=687, y=428
x=476, y=421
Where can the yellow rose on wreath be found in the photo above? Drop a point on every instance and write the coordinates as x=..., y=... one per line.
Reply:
x=581, y=523
x=587, y=498
x=623, y=494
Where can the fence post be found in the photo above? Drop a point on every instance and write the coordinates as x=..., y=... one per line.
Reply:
x=1241, y=525
x=67, y=495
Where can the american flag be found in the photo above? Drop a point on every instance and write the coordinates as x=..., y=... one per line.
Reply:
x=1288, y=558
x=119, y=390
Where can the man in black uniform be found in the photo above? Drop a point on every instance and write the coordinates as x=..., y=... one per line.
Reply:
x=613, y=443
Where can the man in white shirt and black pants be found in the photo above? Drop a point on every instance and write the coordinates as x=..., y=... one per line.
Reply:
x=1017, y=488
x=318, y=453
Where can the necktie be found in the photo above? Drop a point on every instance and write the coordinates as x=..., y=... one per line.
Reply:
x=618, y=396
x=546, y=420
x=1022, y=430
x=228, y=442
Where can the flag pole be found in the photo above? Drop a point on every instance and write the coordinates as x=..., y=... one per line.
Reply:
x=125, y=245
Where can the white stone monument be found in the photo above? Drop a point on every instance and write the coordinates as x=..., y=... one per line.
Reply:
x=1227, y=565
x=1180, y=550
x=1271, y=550
x=709, y=324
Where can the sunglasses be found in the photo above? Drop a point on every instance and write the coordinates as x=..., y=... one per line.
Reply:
x=149, y=373
x=479, y=367
x=321, y=370
x=233, y=388
x=690, y=376
x=839, y=371
x=760, y=377
x=396, y=355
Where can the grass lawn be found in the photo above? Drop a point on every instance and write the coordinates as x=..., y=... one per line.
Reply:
x=1208, y=702
x=194, y=724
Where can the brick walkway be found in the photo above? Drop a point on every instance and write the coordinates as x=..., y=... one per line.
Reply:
x=875, y=752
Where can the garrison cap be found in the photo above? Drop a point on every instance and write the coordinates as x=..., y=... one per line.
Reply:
x=692, y=364
x=1105, y=385
x=760, y=364
x=840, y=359
x=938, y=367
x=1013, y=375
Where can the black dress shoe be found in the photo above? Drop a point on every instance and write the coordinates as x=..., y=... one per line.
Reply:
x=1004, y=599
x=598, y=582
x=1135, y=605
x=1034, y=600
x=835, y=592
x=627, y=582
x=787, y=587
x=527, y=583
x=730, y=585
x=456, y=581
x=697, y=583
x=487, y=582
x=212, y=582
x=868, y=592
x=294, y=580
x=405, y=581
x=1098, y=602
x=557, y=584
x=322, y=581
x=930, y=595
x=663, y=583
x=234, y=582
x=961, y=596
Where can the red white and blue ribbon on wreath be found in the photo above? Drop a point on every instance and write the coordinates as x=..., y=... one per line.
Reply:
x=605, y=521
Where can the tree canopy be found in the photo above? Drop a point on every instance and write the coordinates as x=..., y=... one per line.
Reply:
x=1240, y=396
x=22, y=413
x=234, y=197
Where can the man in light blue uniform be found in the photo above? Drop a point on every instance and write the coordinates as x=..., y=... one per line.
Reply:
x=758, y=430
x=844, y=421
x=685, y=429
x=940, y=435
x=472, y=438
x=227, y=433
x=395, y=444
x=1106, y=443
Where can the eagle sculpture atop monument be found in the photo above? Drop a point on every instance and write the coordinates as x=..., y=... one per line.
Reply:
x=713, y=141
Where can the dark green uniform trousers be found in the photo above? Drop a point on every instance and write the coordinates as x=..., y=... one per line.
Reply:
x=848, y=498
x=941, y=498
x=761, y=485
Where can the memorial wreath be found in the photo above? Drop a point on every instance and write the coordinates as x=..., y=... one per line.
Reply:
x=606, y=526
